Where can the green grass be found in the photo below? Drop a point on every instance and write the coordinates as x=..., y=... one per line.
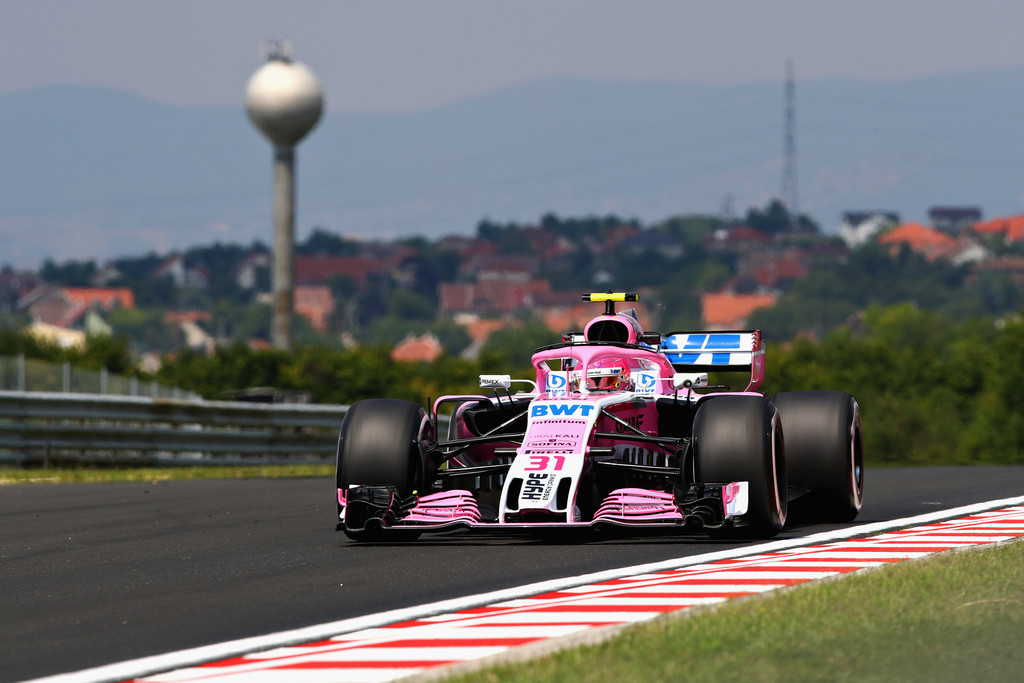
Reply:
x=957, y=616
x=43, y=475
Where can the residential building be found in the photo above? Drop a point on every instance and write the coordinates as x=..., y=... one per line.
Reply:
x=316, y=304
x=740, y=238
x=106, y=298
x=858, y=227
x=490, y=296
x=413, y=349
x=730, y=311
x=66, y=307
x=927, y=241
x=1008, y=229
x=954, y=220
x=182, y=273
x=254, y=268
x=318, y=270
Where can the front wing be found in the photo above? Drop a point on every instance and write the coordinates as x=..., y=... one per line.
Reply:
x=692, y=509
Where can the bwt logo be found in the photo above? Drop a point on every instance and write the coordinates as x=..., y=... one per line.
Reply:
x=645, y=381
x=556, y=384
x=563, y=409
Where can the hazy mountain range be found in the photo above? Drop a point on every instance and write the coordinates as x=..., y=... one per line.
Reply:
x=95, y=173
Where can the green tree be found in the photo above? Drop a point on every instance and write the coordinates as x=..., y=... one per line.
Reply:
x=930, y=390
x=408, y=305
x=322, y=242
x=776, y=219
x=68, y=274
x=513, y=346
x=146, y=329
x=998, y=433
x=691, y=230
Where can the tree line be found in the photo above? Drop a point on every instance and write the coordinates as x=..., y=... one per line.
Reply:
x=931, y=389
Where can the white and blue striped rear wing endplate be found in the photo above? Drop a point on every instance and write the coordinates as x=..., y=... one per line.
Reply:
x=710, y=351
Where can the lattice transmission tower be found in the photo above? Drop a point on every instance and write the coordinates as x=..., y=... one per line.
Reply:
x=790, y=193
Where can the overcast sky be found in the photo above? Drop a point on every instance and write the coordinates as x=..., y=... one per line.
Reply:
x=397, y=56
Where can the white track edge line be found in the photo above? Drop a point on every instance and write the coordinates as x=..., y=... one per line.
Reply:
x=137, y=668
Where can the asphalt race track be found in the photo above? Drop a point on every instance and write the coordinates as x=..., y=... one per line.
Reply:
x=92, y=574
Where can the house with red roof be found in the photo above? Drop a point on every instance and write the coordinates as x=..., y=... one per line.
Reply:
x=318, y=270
x=925, y=240
x=739, y=238
x=770, y=269
x=517, y=268
x=423, y=349
x=935, y=244
x=730, y=311
x=315, y=303
x=57, y=310
x=490, y=296
x=66, y=307
x=1008, y=228
x=106, y=298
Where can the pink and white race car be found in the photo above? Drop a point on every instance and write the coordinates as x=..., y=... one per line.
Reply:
x=618, y=428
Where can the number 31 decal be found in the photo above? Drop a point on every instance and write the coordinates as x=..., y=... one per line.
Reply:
x=540, y=462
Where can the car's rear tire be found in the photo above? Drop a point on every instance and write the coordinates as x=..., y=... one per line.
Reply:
x=739, y=438
x=824, y=452
x=380, y=444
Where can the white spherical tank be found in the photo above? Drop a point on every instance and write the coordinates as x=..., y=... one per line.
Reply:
x=284, y=101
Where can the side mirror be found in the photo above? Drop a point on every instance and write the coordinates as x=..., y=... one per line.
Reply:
x=689, y=380
x=495, y=381
x=650, y=338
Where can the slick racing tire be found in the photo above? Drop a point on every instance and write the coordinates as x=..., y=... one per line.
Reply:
x=739, y=438
x=824, y=452
x=380, y=445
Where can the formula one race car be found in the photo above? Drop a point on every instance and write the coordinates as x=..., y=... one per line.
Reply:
x=619, y=429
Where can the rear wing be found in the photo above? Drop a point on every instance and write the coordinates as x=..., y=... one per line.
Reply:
x=727, y=351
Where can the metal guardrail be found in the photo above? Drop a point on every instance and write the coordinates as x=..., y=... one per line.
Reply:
x=95, y=428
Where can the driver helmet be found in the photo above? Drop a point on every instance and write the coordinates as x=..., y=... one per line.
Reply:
x=608, y=374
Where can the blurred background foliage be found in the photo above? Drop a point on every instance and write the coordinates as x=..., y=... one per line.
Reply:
x=932, y=389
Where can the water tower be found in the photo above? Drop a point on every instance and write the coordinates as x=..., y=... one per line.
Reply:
x=284, y=101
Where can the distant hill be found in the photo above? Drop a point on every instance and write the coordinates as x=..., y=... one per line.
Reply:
x=94, y=173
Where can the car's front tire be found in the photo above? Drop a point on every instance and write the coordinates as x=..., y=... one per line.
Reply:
x=380, y=444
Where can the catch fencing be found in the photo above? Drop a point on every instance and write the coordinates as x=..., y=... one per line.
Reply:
x=18, y=373
x=54, y=428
